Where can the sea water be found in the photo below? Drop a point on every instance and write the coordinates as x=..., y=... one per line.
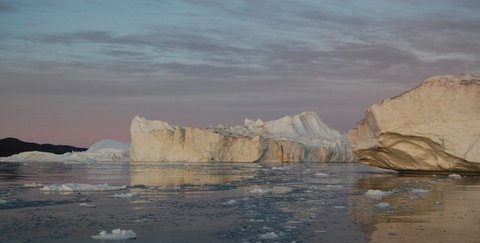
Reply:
x=234, y=202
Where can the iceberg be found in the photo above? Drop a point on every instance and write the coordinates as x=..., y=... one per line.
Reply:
x=299, y=138
x=104, y=151
x=117, y=234
x=434, y=127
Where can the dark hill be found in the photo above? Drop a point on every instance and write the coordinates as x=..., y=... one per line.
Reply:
x=11, y=146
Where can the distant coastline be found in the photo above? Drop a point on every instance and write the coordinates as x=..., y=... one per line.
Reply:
x=10, y=146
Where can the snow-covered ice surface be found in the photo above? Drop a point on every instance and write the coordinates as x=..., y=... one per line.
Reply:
x=105, y=150
x=305, y=128
x=231, y=202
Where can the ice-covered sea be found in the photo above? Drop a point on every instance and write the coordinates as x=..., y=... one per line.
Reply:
x=229, y=202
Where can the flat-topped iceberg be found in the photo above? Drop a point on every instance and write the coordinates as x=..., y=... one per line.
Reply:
x=303, y=137
x=105, y=150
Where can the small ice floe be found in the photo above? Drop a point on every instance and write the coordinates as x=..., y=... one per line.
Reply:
x=33, y=185
x=321, y=174
x=339, y=207
x=230, y=202
x=88, y=205
x=127, y=195
x=455, y=176
x=376, y=194
x=256, y=220
x=417, y=193
x=74, y=187
x=333, y=186
x=269, y=236
x=282, y=168
x=418, y=190
x=117, y=234
x=383, y=205
x=259, y=190
x=3, y=201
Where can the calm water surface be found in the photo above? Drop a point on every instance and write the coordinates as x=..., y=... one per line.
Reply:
x=230, y=202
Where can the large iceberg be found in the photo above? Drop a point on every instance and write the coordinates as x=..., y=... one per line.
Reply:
x=103, y=151
x=300, y=138
x=433, y=127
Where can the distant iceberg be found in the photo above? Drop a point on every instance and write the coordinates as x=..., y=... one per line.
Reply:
x=78, y=187
x=299, y=138
x=103, y=151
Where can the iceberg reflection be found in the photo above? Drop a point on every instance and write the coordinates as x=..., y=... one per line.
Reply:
x=177, y=174
x=421, y=209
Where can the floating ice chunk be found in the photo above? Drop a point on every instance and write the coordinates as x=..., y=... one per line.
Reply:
x=376, y=194
x=269, y=236
x=383, y=205
x=256, y=220
x=33, y=185
x=117, y=234
x=259, y=190
x=321, y=174
x=455, y=176
x=419, y=190
x=126, y=195
x=339, y=207
x=230, y=202
x=334, y=186
x=3, y=201
x=88, y=205
x=73, y=187
x=284, y=168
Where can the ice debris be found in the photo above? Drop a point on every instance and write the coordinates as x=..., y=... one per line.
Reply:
x=230, y=202
x=383, y=205
x=126, y=195
x=376, y=194
x=259, y=190
x=117, y=234
x=333, y=186
x=33, y=185
x=269, y=236
x=3, y=201
x=455, y=176
x=321, y=174
x=88, y=205
x=419, y=190
x=74, y=187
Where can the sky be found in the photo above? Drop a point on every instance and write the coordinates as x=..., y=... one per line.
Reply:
x=76, y=72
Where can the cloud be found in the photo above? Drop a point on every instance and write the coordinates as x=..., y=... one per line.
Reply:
x=6, y=8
